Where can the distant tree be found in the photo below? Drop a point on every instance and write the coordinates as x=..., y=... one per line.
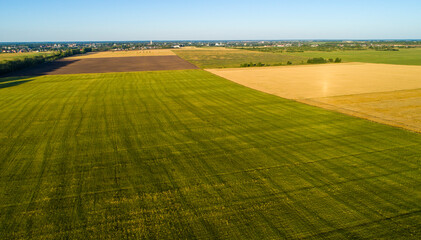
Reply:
x=316, y=60
x=338, y=60
x=85, y=50
x=75, y=51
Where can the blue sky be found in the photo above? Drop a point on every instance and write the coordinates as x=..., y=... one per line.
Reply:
x=95, y=20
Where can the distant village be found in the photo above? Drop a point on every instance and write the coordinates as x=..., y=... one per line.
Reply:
x=41, y=47
x=142, y=45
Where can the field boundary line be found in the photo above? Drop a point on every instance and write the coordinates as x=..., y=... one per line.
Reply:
x=359, y=114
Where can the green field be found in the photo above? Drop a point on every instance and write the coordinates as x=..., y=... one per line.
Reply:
x=186, y=154
x=234, y=58
x=15, y=56
x=410, y=56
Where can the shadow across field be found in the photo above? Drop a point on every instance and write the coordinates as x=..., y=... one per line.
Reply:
x=42, y=69
x=12, y=84
x=103, y=65
x=6, y=82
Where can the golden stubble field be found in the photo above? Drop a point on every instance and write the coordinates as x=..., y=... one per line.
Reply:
x=131, y=53
x=384, y=93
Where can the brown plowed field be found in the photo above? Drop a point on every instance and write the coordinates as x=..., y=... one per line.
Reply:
x=132, y=53
x=102, y=65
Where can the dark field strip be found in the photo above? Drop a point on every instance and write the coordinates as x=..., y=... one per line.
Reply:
x=186, y=154
x=105, y=65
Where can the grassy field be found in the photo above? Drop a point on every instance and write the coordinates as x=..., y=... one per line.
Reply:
x=410, y=56
x=14, y=56
x=229, y=58
x=186, y=154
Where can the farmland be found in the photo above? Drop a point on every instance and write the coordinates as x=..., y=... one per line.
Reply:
x=134, y=53
x=233, y=58
x=230, y=58
x=186, y=154
x=400, y=108
x=107, y=64
x=384, y=93
x=411, y=56
x=14, y=56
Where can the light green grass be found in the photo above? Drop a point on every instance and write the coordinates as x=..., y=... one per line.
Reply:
x=186, y=154
x=14, y=56
x=410, y=56
x=234, y=58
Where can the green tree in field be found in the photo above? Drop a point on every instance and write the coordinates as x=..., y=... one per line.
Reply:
x=316, y=60
x=85, y=50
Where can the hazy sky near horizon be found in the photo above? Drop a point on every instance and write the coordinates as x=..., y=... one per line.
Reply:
x=96, y=20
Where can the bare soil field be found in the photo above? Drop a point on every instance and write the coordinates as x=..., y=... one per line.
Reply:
x=102, y=65
x=379, y=92
x=135, y=53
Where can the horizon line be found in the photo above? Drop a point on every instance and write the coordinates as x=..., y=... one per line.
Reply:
x=227, y=40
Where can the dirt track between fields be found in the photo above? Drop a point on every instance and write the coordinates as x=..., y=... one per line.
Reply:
x=385, y=93
x=103, y=65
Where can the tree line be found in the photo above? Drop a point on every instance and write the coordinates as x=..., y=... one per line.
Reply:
x=309, y=61
x=17, y=64
x=259, y=64
x=322, y=60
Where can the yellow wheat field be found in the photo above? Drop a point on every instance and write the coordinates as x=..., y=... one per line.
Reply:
x=384, y=93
